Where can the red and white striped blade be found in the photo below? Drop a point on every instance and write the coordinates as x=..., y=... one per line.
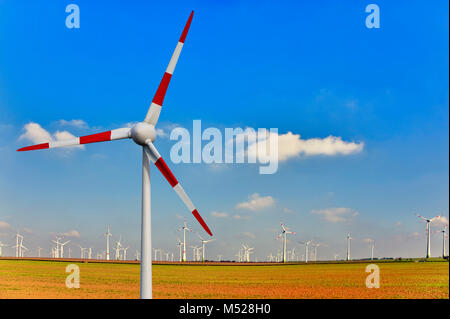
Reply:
x=93, y=138
x=157, y=102
x=164, y=169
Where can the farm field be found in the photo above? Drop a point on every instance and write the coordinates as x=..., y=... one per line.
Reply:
x=46, y=279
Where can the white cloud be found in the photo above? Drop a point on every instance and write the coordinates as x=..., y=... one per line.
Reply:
x=337, y=214
x=27, y=230
x=72, y=233
x=4, y=225
x=73, y=123
x=219, y=214
x=240, y=217
x=257, y=202
x=293, y=146
x=440, y=221
x=249, y=235
x=36, y=134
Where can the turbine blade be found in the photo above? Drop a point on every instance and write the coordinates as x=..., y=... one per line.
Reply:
x=157, y=102
x=93, y=138
x=159, y=162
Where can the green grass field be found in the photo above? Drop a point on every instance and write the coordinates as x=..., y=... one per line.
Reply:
x=46, y=279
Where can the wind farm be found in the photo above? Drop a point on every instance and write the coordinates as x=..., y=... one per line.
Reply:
x=298, y=158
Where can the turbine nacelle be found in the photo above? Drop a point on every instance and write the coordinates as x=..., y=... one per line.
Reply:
x=142, y=133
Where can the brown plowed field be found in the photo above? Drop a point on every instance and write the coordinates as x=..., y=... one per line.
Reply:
x=30, y=278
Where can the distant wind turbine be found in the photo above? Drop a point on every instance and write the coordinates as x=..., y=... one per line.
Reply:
x=428, y=232
x=284, y=232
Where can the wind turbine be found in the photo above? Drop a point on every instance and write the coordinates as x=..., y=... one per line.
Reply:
x=144, y=134
x=82, y=252
x=137, y=254
x=348, y=246
x=204, y=241
x=371, y=246
x=107, y=235
x=247, y=251
x=428, y=230
x=2, y=245
x=38, y=249
x=184, y=228
x=125, y=253
x=22, y=248
x=180, y=245
x=61, y=245
x=118, y=247
x=444, y=235
x=317, y=245
x=284, y=232
x=18, y=246
x=195, y=253
x=306, y=243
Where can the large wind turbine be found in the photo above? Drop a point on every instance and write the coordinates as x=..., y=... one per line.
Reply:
x=428, y=230
x=144, y=134
x=107, y=235
x=284, y=232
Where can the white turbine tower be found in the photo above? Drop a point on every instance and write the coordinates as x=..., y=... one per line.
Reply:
x=204, y=241
x=2, y=245
x=144, y=134
x=428, y=231
x=444, y=236
x=348, y=246
x=61, y=245
x=118, y=247
x=247, y=251
x=107, y=235
x=284, y=232
x=137, y=254
x=19, y=245
x=184, y=229
x=180, y=247
x=306, y=243
x=39, y=251
x=371, y=246
x=125, y=253
x=82, y=252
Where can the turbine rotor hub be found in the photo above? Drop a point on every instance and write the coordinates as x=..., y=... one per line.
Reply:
x=142, y=132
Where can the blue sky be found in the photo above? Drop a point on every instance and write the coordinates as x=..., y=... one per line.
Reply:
x=302, y=67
